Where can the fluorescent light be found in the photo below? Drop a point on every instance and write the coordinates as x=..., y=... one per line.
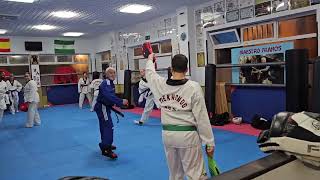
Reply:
x=44, y=27
x=24, y=1
x=73, y=34
x=134, y=8
x=3, y=31
x=64, y=14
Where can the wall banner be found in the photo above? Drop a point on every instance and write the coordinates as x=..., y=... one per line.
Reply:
x=260, y=54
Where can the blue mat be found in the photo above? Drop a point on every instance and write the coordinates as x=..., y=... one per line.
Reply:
x=66, y=144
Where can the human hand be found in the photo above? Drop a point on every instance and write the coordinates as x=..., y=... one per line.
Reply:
x=210, y=151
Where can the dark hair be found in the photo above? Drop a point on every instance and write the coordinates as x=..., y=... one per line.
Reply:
x=179, y=63
x=95, y=75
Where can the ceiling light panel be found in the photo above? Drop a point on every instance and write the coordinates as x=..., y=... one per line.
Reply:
x=134, y=8
x=73, y=34
x=64, y=14
x=23, y=1
x=3, y=31
x=44, y=27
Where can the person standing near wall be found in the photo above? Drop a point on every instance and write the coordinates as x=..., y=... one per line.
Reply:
x=3, y=95
x=83, y=89
x=96, y=81
x=14, y=88
x=31, y=97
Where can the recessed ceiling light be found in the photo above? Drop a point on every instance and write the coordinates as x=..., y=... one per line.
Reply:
x=73, y=34
x=44, y=27
x=24, y=1
x=3, y=31
x=64, y=14
x=134, y=8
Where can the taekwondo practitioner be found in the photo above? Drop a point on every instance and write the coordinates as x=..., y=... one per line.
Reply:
x=31, y=97
x=14, y=88
x=96, y=81
x=83, y=89
x=105, y=102
x=184, y=119
x=145, y=92
x=3, y=95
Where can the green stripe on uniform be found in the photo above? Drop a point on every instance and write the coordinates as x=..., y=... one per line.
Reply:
x=170, y=127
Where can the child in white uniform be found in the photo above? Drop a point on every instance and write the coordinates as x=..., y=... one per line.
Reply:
x=83, y=89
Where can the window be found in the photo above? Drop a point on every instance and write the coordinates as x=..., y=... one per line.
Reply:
x=298, y=26
x=3, y=59
x=225, y=37
x=256, y=32
x=46, y=58
x=18, y=59
x=64, y=58
x=81, y=59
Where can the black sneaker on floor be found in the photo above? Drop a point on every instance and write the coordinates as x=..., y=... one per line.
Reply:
x=110, y=154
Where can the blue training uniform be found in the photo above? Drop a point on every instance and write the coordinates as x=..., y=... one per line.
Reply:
x=106, y=99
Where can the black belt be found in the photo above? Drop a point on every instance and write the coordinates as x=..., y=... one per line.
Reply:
x=117, y=112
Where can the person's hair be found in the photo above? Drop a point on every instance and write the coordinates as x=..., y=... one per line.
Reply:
x=110, y=69
x=179, y=63
x=95, y=75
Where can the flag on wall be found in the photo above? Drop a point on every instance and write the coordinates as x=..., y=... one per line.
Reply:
x=5, y=45
x=64, y=47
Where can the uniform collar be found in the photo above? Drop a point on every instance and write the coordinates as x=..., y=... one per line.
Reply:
x=144, y=79
x=172, y=82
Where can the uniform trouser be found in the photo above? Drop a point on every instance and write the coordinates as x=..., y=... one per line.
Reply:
x=1, y=114
x=94, y=101
x=106, y=127
x=33, y=115
x=186, y=162
x=147, y=109
x=14, y=98
x=81, y=98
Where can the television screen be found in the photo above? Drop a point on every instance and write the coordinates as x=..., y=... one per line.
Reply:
x=33, y=46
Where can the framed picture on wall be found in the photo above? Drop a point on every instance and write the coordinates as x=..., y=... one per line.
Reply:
x=232, y=5
x=219, y=6
x=263, y=8
x=280, y=5
x=245, y=3
x=232, y=16
x=200, y=59
x=247, y=12
x=295, y=4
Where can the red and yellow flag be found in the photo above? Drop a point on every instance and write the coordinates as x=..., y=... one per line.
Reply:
x=5, y=45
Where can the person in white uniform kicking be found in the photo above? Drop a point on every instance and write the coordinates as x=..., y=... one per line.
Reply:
x=3, y=95
x=14, y=88
x=184, y=119
x=31, y=97
x=96, y=81
x=83, y=89
x=146, y=93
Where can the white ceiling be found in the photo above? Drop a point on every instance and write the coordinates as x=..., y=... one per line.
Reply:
x=90, y=10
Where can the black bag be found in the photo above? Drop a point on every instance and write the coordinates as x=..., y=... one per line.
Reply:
x=261, y=123
x=220, y=119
